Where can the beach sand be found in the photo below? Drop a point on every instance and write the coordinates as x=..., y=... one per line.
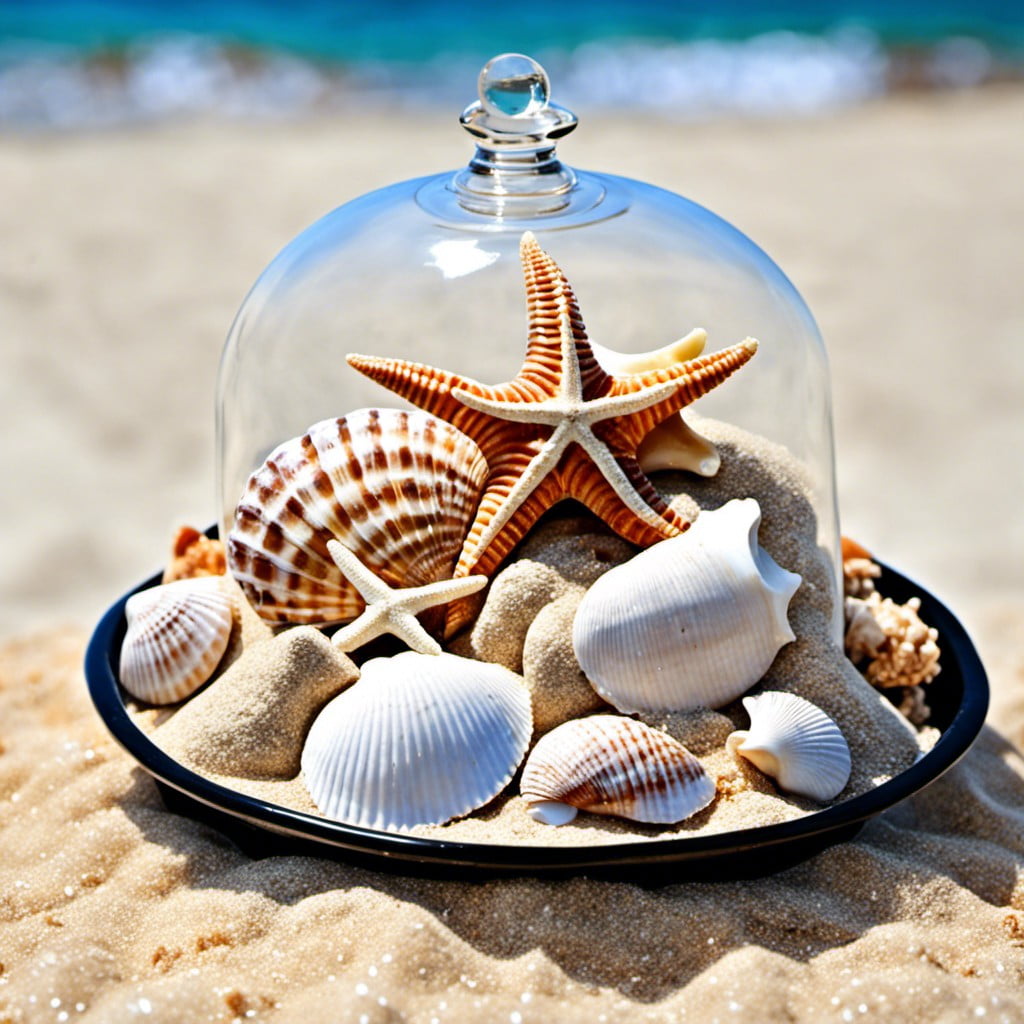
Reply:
x=128, y=253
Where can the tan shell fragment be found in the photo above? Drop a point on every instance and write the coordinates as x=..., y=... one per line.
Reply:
x=398, y=489
x=177, y=634
x=607, y=764
x=673, y=443
x=194, y=554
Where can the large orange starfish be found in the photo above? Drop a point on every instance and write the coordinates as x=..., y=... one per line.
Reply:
x=563, y=428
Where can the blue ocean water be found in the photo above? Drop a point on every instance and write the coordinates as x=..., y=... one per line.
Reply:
x=94, y=62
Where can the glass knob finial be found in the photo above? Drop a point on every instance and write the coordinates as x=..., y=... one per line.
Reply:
x=515, y=175
x=513, y=85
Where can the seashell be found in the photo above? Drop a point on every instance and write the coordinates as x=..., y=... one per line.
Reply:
x=177, y=634
x=693, y=621
x=611, y=765
x=398, y=489
x=794, y=742
x=419, y=740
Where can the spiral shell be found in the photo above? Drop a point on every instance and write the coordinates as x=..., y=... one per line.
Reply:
x=398, y=489
x=419, y=740
x=611, y=765
x=693, y=621
x=177, y=633
x=796, y=743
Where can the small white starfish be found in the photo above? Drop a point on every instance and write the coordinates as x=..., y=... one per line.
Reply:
x=572, y=416
x=390, y=610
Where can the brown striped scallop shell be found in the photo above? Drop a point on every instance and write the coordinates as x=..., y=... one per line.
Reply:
x=397, y=488
x=606, y=764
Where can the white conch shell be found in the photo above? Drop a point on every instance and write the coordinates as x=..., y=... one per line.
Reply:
x=673, y=443
x=606, y=764
x=693, y=621
x=398, y=489
x=794, y=742
x=419, y=740
x=177, y=633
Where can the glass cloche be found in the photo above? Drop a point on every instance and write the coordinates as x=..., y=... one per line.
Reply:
x=428, y=270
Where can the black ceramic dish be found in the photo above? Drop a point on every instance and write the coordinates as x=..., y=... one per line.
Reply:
x=958, y=698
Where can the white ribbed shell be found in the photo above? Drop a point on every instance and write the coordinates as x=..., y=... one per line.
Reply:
x=399, y=489
x=796, y=743
x=692, y=621
x=177, y=633
x=418, y=740
x=611, y=765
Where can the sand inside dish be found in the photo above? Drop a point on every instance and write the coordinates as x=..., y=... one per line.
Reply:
x=525, y=625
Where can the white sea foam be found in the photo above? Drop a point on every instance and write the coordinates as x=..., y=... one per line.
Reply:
x=174, y=76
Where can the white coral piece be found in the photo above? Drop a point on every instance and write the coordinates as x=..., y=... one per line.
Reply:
x=859, y=575
x=902, y=650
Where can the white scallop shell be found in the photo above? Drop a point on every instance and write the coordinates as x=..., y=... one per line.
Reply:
x=611, y=765
x=177, y=634
x=692, y=621
x=399, y=489
x=796, y=743
x=419, y=740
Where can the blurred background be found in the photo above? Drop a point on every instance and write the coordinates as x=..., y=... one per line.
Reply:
x=156, y=154
x=90, y=63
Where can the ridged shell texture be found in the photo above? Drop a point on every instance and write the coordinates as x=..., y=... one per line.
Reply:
x=177, y=633
x=611, y=765
x=398, y=489
x=419, y=740
x=796, y=743
x=693, y=621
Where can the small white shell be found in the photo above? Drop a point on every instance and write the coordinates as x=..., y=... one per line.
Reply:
x=796, y=743
x=419, y=740
x=177, y=634
x=611, y=765
x=692, y=621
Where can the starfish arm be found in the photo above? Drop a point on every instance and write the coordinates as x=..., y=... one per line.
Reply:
x=407, y=628
x=418, y=599
x=545, y=413
x=693, y=372
x=570, y=387
x=553, y=412
x=480, y=559
x=624, y=487
x=539, y=467
x=550, y=300
x=361, y=630
x=385, y=618
x=623, y=405
x=370, y=586
x=423, y=386
x=697, y=378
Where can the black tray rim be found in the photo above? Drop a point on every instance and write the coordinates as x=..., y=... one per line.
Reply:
x=760, y=849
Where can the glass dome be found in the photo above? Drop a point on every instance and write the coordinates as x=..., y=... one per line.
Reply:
x=428, y=270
